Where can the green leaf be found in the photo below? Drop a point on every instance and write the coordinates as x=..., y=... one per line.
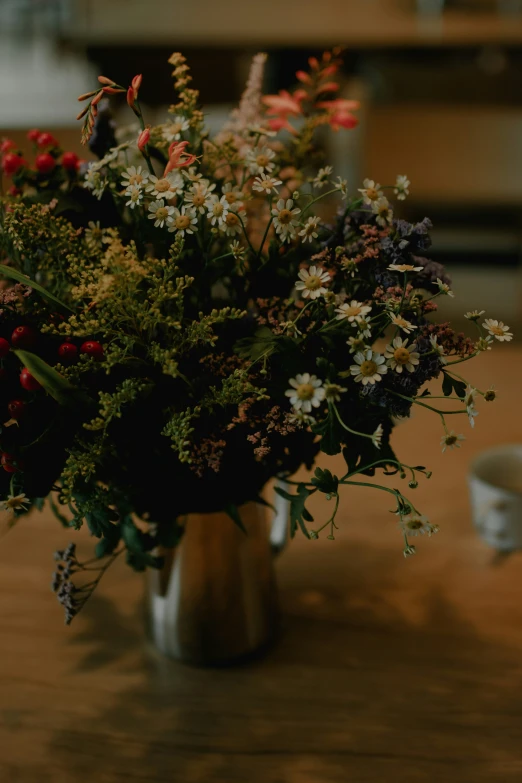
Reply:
x=298, y=512
x=55, y=384
x=451, y=384
x=447, y=385
x=14, y=274
x=331, y=432
x=325, y=481
x=235, y=516
x=254, y=347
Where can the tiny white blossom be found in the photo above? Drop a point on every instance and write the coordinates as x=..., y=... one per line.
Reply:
x=265, y=184
x=285, y=218
x=135, y=196
x=357, y=344
x=198, y=194
x=401, y=323
x=370, y=191
x=363, y=327
x=444, y=288
x=217, y=209
x=136, y=176
x=438, y=349
x=474, y=315
x=342, y=186
x=165, y=187
x=400, y=356
x=354, y=311
x=309, y=231
x=333, y=391
x=417, y=525
x=369, y=367
x=95, y=181
x=233, y=194
x=402, y=184
x=160, y=212
x=173, y=130
x=15, y=502
x=237, y=250
x=377, y=436
x=405, y=268
x=182, y=220
x=311, y=282
x=307, y=392
x=469, y=400
x=232, y=223
x=498, y=329
x=260, y=159
x=451, y=441
x=384, y=214
x=321, y=177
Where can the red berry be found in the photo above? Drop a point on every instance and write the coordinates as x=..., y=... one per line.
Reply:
x=9, y=462
x=6, y=145
x=16, y=408
x=11, y=163
x=33, y=135
x=28, y=381
x=45, y=163
x=70, y=161
x=4, y=347
x=68, y=352
x=24, y=337
x=46, y=140
x=92, y=348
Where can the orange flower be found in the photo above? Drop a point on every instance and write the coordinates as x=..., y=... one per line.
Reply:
x=178, y=158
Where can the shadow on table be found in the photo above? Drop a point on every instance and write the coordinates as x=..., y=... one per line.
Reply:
x=351, y=693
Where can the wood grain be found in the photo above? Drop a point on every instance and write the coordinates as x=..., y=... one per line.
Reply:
x=387, y=670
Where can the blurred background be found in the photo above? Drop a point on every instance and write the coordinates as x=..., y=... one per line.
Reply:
x=440, y=82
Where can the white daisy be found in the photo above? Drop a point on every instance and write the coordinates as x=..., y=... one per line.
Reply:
x=354, y=311
x=300, y=418
x=469, y=401
x=377, y=436
x=333, y=391
x=357, y=344
x=321, y=178
x=400, y=356
x=402, y=323
x=15, y=502
x=198, y=194
x=405, y=268
x=232, y=223
x=417, y=525
x=363, y=327
x=474, y=315
x=192, y=174
x=134, y=176
x=233, y=194
x=159, y=212
x=484, y=344
x=402, y=183
x=237, y=250
x=135, y=196
x=444, y=288
x=342, y=186
x=174, y=129
x=260, y=159
x=498, y=329
x=384, y=214
x=265, y=184
x=309, y=232
x=217, y=209
x=93, y=234
x=285, y=218
x=95, y=182
x=369, y=367
x=311, y=282
x=307, y=392
x=165, y=187
x=370, y=191
x=438, y=349
x=182, y=220
x=451, y=441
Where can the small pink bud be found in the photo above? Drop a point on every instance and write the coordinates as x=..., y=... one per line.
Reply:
x=143, y=139
x=304, y=77
x=328, y=87
x=82, y=113
x=95, y=101
x=136, y=84
x=130, y=98
x=86, y=95
x=105, y=80
x=113, y=90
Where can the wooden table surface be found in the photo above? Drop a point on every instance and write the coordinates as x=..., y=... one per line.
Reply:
x=388, y=669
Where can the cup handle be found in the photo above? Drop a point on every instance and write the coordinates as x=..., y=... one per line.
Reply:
x=279, y=530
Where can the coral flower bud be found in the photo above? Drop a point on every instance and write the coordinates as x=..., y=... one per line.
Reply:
x=105, y=80
x=304, y=77
x=130, y=98
x=136, y=83
x=95, y=101
x=112, y=90
x=82, y=113
x=143, y=139
x=330, y=70
x=85, y=95
x=328, y=87
x=313, y=63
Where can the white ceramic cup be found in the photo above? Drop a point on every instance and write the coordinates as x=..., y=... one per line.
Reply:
x=495, y=482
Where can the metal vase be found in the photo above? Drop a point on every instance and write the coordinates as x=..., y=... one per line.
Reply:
x=215, y=600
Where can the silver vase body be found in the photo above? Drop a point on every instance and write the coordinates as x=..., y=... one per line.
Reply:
x=215, y=599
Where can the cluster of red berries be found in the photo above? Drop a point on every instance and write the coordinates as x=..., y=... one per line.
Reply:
x=45, y=161
x=25, y=337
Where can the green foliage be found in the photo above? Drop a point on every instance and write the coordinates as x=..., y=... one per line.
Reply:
x=331, y=432
x=325, y=481
x=450, y=385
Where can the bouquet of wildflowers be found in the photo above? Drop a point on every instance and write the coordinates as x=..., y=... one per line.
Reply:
x=181, y=321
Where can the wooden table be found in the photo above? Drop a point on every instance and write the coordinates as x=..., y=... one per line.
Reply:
x=388, y=669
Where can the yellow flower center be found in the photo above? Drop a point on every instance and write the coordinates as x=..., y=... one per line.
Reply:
x=368, y=368
x=305, y=391
x=135, y=179
x=312, y=282
x=231, y=198
x=285, y=216
x=217, y=209
x=175, y=127
x=162, y=213
x=198, y=200
x=355, y=310
x=182, y=221
x=231, y=219
x=372, y=194
x=401, y=355
x=162, y=185
x=451, y=440
x=262, y=160
x=414, y=524
x=496, y=330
